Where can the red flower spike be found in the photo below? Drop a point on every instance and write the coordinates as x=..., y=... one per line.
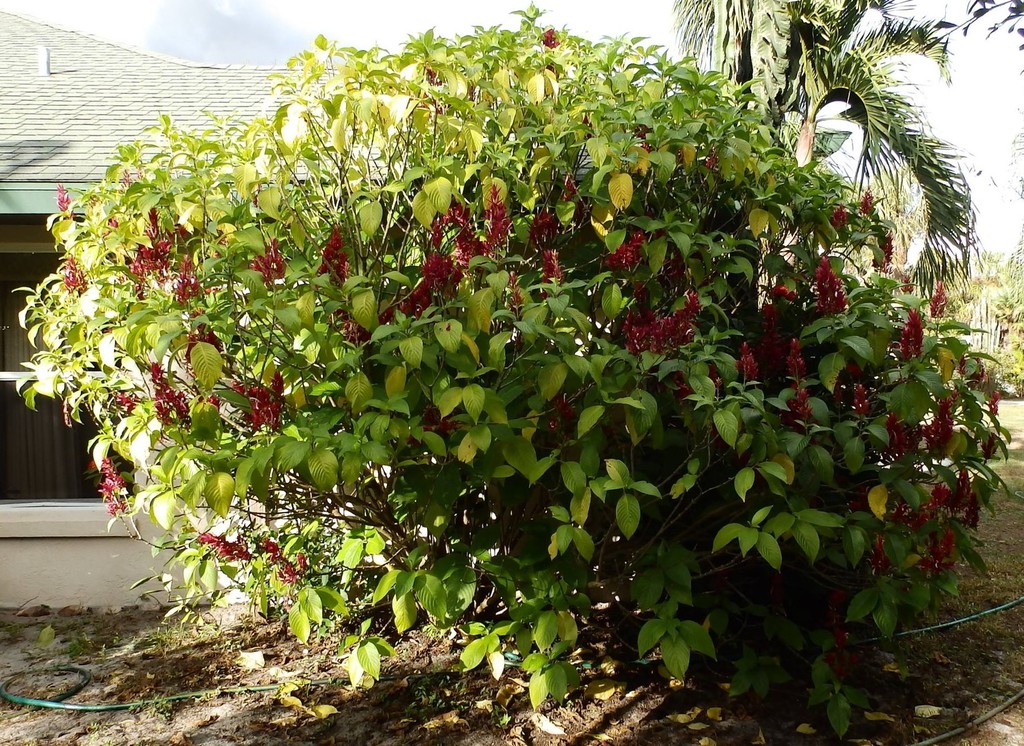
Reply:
x=937, y=307
x=912, y=338
x=112, y=488
x=993, y=403
x=782, y=292
x=861, y=405
x=334, y=261
x=63, y=199
x=74, y=277
x=552, y=270
x=227, y=549
x=840, y=217
x=746, y=365
x=171, y=405
x=543, y=230
x=795, y=362
x=829, y=289
x=550, y=39
x=939, y=431
x=867, y=203
x=499, y=225
x=270, y=264
x=186, y=285
x=628, y=256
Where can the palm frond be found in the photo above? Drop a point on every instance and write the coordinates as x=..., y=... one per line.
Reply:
x=695, y=28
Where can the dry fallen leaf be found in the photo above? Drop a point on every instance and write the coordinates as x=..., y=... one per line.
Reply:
x=759, y=740
x=725, y=686
x=506, y=693
x=609, y=665
x=705, y=741
x=449, y=718
x=497, y=663
x=285, y=721
x=602, y=689
x=685, y=717
x=891, y=667
x=806, y=728
x=879, y=716
x=698, y=726
x=290, y=701
x=484, y=704
x=927, y=711
x=322, y=711
x=546, y=726
x=938, y=657
x=715, y=713
x=251, y=661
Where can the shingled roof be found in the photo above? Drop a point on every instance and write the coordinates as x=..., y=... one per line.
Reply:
x=63, y=127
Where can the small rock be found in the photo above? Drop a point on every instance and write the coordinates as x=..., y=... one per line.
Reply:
x=34, y=611
x=73, y=610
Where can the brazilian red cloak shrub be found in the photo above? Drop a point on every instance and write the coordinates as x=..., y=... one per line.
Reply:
x=494, y=337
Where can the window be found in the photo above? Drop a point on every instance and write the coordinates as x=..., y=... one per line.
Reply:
x=41, y=458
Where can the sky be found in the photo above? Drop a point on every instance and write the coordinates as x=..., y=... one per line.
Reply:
x=979, y=112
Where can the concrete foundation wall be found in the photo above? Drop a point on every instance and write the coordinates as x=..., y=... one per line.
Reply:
x=61, y=554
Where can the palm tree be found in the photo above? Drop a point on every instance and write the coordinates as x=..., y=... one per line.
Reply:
x=800, y=56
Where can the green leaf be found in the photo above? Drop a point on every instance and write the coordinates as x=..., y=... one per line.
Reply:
x=358, y=391
x=473, y=400
x=860, y=347
x=370, y=216
x=768, y=548
x=726, y=534
x=588, y=418
x=611, y=300
x=759, y=220
x=652, y=631
x=538, y=686
x=520, y=455
x=676, y=655
x=163, y=509
x=404, y=609
x=545, y=630
x=743, y=481
x=807, y=537
x=838, y=711
x=551, y=379
x=312, y=607
x=439, y=191
x=423, y=209
x=364, y=309
x=727, y=425
x=573, y=477
x=369, y=658
x=449, y=400
x=384, y=586
x=854, y=452
x=473, y=654
x=219, y=490
x=449, y=334
x=584, y=543
x=618, y=472
x=412, y=350
x=298, y=622
x=829, y=369
x=627, y=514
x=207, y=364
x=697, y=637
x=479, y=308
x=323, y=468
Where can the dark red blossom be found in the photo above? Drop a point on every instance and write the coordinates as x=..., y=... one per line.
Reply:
x=937, y=306
x=861, y=404
x=434, y=422
x=63, y=198
x=270, y=264
x=334, y=261
x=499, y=224
x=543, y=230
x=231, y=550
x=939, y=555
x=771, y=348
x=126, y=401
x=711, y=160
x=887, y=247
x=171, y=404
x=939, y=431
x=550, y=39
x=867, y=203
x=829, y=289
x=74, y=277
x=781, y=291
x=286, y=571
x=628, y=256
x=112, y=488
x=912, y=338
x=795, y=362
x=799, y=410
x=993, y=403
x=901, y=438
x=746, y=365
x=552, y=269
x=880, y=561
x=840, y=217
x=988, y=448
x=265, y=403
x=186, y=284
x=153, y=259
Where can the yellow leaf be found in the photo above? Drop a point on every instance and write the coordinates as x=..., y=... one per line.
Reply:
x=879, y=716
x=322, y=711
x=787, y=464
x=706, y=741
x=758, y=221
x=945, y=360
x=689, y=155
x=601, y=689
x=447, y=719
x=423, y=209
x=546, y=725
x=620, y=190
x=685, y=717
x=395, y=382
x=725, y=686
x=891, y=668
x=251, y=661
x=878, y=499
x=535, y=87
x=759, y=741
x=484, y=704
x=497, y=663
x=927, y=711
x=806, y=728
x=472, y=347
x=698, y=726
x=609, y=665
x=289, y=701
x=715, y=713
x=601, y=219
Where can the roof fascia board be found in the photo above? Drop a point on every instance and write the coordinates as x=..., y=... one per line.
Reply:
x=31, y=197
